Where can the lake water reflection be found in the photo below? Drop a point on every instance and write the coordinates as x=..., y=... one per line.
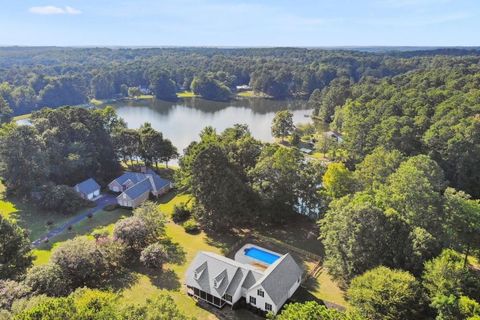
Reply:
x=182, y=121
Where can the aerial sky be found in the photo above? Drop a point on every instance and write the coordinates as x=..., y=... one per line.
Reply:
x=307, y=23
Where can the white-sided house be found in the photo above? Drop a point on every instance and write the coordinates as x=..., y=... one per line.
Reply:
x=136, y=187
x=219, y=280
x=88, y=189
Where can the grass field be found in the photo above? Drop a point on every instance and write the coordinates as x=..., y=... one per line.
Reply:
x=101, y=220
x=22, y=117
x=29, y=217
x=186, y=94
x=252, y=94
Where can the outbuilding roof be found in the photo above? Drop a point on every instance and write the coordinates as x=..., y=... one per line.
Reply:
x=88, y=186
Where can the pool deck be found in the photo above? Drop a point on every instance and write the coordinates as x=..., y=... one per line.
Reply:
x=258, y=264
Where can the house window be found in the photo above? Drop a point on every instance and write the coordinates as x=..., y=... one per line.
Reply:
x=228, y=297
x=253, y=300
x=260, y=292
x=268, y=307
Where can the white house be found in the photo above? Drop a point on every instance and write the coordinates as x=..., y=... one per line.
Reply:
x=263, y=279
x=88, y=189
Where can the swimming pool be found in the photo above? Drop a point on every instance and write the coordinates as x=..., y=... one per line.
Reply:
x=261, y=255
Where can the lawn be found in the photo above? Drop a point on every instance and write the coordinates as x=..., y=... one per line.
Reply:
x=186, y=94
x=252, y=94
x=22, y=117
x=100, y=220
x=29, y=217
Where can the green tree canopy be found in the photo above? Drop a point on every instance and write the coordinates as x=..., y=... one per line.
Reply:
x=383, y=293
x=15, y=254
x=338, y=180
x=282, y=124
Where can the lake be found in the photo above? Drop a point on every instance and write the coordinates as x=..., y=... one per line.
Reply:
x=182, y=121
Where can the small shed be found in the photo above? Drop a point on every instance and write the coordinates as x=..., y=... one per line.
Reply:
x=88, y=189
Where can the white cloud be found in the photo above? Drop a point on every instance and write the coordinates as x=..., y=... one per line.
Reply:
x=48, y=10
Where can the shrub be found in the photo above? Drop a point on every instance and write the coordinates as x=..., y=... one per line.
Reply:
x=81, y=262
x=48, y=279
x=10, y=291
x=134, y=233
x=154, y=256
x=110, y=207
x=181, y=213
x=191, y=226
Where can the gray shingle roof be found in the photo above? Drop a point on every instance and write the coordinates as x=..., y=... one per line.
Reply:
x=135, y=177
x=234, y=274
x=280, y=277
x=159, y=181
x=141, y=182
x=88, y=186
x=139, y=189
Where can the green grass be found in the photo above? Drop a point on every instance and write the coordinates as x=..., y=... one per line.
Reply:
x=252, y=94
x=96, y=102
x=104, y=220
x=29, y=217
x=186, y=94
x=22, y=117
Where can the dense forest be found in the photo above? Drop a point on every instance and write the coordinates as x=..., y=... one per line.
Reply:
x=32, y=78
x=394, y=202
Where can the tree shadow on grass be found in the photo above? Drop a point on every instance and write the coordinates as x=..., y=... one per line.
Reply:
x=311, y=284
x=166, y=198
x=303, y=295
x=224, y=240
x=166, y=279
x=122, y=280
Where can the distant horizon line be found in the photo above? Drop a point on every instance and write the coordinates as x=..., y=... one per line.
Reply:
x=247, y=47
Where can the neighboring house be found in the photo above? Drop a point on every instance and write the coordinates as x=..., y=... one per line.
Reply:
x=306, y=150
x=244, y=87
x=334, y=135
x=136, y=187
x=262, y=285
x=88, y=189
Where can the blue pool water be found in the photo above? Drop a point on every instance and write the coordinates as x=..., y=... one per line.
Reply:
x=261, y=255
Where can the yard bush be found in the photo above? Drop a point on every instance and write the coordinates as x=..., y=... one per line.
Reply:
x=134, y=233
x=10, y=291
x=191, y=226
x=81, y=261
x=48, y=279
x=181, y=213
x=154, y=256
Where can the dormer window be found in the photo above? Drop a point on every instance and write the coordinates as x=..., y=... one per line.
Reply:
x=198, y=274
x=260, y=293
x=199, y=271
x=218, y=280
x=217, y=283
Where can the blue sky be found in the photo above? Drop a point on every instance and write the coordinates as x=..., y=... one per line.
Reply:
x=240, y=22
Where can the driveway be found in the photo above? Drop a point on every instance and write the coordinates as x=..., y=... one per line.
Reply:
x=101, y=202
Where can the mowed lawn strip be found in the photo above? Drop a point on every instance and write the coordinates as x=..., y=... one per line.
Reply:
x=101, y=220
